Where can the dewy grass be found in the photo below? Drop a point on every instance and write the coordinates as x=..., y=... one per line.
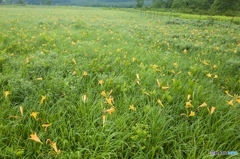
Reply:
x=91, y=83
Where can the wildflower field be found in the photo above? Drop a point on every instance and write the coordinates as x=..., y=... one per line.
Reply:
x=96, y=83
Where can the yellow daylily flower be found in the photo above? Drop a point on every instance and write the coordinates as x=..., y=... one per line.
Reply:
x=131, y=107
x=192, y=113
x=34, y=137
x=34, y=115
x=53, y=145
x=6, y=93
x=43, y=99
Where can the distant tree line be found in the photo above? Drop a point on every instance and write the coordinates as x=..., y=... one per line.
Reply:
x=219, y=6
x=216, y=6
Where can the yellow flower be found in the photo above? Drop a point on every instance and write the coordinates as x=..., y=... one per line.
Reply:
x=158, y=83
x=100, y=82
x=216, y=76
x=160, y=102
x=110, y=111
x=74, y=72
x=110, y=100
x=46, y=126
x=132, y=108
x=39, y=79
x=133, y=59
x=192, y=113
x=34, y=137
x=27, y=60
x=185, y=51
x=228, y=93
x=103, y=93
x=154, y=66
x=189, y=105
x=84, y=73
x=230, y=103
x=203, y=105
x=173, y=71
x=164, y=87
x=43, y=99
x=209, y=75
x=238, y=100
x=104, y=118
x=137, y=75
x=175, y=64
x=204, y=62
x=34, y=115
x=188, y=96
x=21, y=110
x=6, y=93
x=212, y=110
x=73, y=60
x=53, y=145
x=84, y=98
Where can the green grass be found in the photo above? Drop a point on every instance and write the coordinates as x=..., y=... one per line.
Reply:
x=136, y=57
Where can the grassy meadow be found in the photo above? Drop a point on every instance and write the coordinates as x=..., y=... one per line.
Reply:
x=95, y=83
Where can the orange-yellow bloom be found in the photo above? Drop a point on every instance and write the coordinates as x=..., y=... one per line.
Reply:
x=84, y=98
x=110, y=111
x=100, y=82
x=27, y=60
x=228, y=93
x=154, y=66
x=104, y=118
x=39, y=79
x=6, y=93
x=137, y=75
x=209, y=75
x=160, y=102
x=110, y=100
x=132, y=108
x=84, y=73
x=230, y=103
x=204, y=62
x=43, y=99
x=185, y=51
x=34, y=137
x=216, y=76
x=164, y=87
x=53, y=145
x=192, y=113
x=212, y=110
x=158, y=83
x=203, y=105
x=46, y=126
x=103, y=93
x=73, y=60
x=21, y=110
x=189, y=105
x=34, y=115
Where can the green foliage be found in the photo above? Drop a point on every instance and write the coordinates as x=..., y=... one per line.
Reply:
x=140, y=3
x=48, y=2
x=223, y=6
x=117, y=84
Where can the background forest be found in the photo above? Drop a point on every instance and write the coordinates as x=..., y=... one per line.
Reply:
x=231, y=7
